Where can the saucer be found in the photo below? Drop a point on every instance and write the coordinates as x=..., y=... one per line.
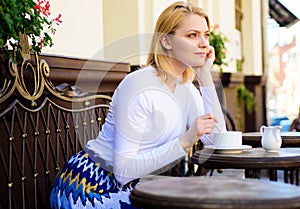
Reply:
x=228, y=150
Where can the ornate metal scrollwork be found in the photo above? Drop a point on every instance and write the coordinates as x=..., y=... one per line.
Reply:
x=30, y=79
x=37, y=82
x=16, y=77
x=29, y=89
x=7, y=80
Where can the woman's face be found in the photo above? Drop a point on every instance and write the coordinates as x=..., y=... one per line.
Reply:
x=190, y=41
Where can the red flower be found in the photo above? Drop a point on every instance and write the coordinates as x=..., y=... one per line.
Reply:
x=46, y=9
x=216, y=27
x=40, y=44
x=38, y=7
x=57, y=19
x=43, y=6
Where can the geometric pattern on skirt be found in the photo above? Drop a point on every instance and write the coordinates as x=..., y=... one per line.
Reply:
x=82, y=183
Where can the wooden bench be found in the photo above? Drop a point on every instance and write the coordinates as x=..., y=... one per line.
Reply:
x=41, y=126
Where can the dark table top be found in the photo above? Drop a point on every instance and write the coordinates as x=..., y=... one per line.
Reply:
x=254, y=158
x=289, y=139
x=214, y=192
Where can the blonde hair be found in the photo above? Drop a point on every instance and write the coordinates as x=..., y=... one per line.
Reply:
x=167, y=23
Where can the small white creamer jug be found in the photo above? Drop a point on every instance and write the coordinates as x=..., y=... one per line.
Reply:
x=270, y=138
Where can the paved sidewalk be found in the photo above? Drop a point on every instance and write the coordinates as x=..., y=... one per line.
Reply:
x=240, y=173
x=237, y=173
x=233, y=173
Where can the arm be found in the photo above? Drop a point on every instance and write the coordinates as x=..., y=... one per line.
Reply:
x=143, y=143
x=202, y=104
x=214, y=119
x=213, y=106
x=207, y=88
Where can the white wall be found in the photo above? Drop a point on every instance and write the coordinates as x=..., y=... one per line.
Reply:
x=252, y=37
x=80, y=34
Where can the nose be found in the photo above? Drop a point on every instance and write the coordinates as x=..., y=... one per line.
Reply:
x=203, y=41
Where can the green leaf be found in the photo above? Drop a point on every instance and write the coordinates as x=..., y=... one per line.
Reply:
x=21, y=16
x=245, y=97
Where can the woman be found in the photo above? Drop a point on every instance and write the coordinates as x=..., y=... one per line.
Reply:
x=156, y=114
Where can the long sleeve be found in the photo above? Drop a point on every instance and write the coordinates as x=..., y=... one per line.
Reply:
x=131, y=165
x=212, y=105
x=148, y=121
x=204, y=103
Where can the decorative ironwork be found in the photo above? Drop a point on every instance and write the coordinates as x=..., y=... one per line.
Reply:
x=41, y=126
x=33, y=89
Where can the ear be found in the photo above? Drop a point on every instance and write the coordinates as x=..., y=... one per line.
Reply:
x=166, y=42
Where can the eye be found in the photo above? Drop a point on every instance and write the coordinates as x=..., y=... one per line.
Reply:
x=192, y=35
x=207, y=35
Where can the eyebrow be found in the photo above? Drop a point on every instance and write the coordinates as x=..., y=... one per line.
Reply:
x=194, y=30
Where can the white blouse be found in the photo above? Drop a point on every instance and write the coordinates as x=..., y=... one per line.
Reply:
x=145, y=120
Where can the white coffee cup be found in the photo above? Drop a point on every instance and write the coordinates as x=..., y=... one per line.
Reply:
x=229, y=139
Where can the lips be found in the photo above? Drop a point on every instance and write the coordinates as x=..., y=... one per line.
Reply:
x=201, y=53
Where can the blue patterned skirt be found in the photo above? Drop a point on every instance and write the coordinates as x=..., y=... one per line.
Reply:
x=82, y=183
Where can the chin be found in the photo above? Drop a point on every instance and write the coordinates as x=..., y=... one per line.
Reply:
x=199, y=64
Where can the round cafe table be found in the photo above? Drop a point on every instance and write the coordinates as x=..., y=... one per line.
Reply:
x=253, y=160
x=289, y=139
x=214, y=192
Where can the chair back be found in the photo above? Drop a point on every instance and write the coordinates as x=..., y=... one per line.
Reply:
x=41, y=126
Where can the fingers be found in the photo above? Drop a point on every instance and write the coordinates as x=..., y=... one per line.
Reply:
x=207, y=127
x=209, y=116
x=211, y=54
x=206, y=124
x=210, y=51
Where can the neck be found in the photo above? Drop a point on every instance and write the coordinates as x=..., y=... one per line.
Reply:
x=177, y=67
x=176, y=70
x=171, y=82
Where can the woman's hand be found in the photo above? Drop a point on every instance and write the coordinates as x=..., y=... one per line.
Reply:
x=209, y=60
x=203, y=73
x=202, y=125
